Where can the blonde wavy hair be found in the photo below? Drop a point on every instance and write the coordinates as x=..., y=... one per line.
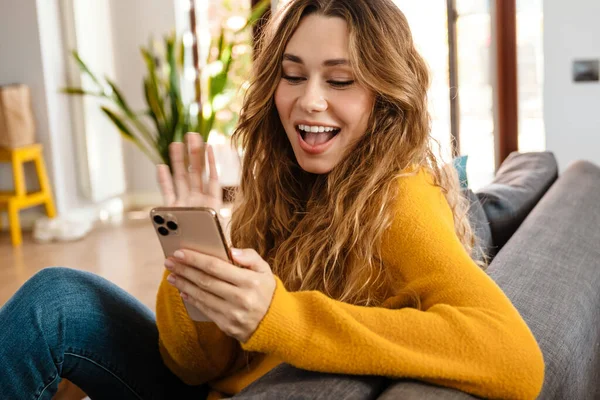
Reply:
x=325, y=232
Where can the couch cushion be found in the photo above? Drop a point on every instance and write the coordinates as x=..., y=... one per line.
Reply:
x=415, y=390
x=291, y=383
x=480, y=226
x=550, y=270
x=521, y=181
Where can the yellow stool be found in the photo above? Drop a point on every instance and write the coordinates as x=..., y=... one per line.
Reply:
x=15, y=202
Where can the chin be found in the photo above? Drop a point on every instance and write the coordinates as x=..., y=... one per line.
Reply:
x=316, y=167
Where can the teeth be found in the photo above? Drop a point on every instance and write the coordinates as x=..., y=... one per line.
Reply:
x=315, y=129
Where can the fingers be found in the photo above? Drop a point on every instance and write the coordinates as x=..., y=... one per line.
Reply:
x=251, y=259
x=180, y=175
x=214, y=267
x=214, y=189
x=195, y=147
x=166, y=184
x=202, y=280
x=212, y=165
x=205, y=301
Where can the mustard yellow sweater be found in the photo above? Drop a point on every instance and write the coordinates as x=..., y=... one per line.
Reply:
x=467, y=334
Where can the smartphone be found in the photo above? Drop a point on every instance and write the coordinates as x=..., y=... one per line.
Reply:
x=193, y=228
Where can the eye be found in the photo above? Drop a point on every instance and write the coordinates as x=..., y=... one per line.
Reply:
x=340, y=84
x=294, y=80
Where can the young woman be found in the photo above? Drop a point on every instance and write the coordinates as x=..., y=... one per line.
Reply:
x=354, y=239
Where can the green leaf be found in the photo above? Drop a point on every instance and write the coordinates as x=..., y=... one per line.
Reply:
x=218, y=83
x=84, y=68
x=151, y=101
x=227, y=58
x=126, y=132
x=80, y=92
x=221, y=43
x=117, y=120
x=181, y=55
x=120, y=101
x=153, y=92
x=157, y=91
x=174, y=94
x=256, y=14
x=118, y=97
x=182, y=123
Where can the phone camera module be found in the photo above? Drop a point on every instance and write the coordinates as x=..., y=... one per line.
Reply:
x=172, y=225
x=159, y=220
x=163, y=231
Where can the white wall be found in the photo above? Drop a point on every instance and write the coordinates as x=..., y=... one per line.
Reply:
x=571, y=110
x=34, y=50
x=22, y=61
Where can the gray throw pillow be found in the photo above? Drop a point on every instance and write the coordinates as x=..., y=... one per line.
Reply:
x=480, y=226
x=521, y=181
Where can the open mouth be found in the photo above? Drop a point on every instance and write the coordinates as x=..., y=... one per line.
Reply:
x=317, y=135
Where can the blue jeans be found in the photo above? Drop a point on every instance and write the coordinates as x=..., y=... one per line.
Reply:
x=65, y=323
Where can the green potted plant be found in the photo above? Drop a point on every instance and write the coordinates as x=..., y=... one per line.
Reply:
x=168, y=116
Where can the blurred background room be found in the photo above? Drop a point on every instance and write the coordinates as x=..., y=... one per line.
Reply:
x=93, y=91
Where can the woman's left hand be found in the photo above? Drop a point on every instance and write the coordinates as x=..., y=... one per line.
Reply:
x=234, y=298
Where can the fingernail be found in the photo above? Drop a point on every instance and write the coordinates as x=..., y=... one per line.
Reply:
x=171, y=279
x=236, y=252
x=184, y=296
x=169, y=264
x=179, y=254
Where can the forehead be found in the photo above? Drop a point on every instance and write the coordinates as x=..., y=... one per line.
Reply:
x=318, y=35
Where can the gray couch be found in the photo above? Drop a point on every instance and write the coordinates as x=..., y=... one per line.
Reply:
x=546, y=258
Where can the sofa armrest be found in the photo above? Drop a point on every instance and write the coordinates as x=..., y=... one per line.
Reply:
x=550, y=270
x=287, y=382
x=290, y=383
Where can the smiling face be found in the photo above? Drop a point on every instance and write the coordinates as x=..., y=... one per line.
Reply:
x=323, y=110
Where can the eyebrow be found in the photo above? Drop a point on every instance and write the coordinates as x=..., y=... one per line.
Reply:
x=327, y=63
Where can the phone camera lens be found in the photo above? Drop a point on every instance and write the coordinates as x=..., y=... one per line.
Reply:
x=159, y=220
x=163, y=231
x=172, y=225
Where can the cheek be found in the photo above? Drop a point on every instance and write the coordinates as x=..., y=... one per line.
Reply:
x=282, y=101
x=356, y=110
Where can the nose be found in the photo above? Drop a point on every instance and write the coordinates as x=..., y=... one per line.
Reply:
x=313, y=99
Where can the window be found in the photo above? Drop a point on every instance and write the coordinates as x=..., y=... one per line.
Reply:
x=428, y=24
x=211, y=17
x=428, y=21
x=475, y=69
x=476, y=95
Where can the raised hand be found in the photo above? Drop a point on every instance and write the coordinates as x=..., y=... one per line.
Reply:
x=185, y=186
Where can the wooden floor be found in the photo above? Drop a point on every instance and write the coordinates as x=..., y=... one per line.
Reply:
x=128, y=255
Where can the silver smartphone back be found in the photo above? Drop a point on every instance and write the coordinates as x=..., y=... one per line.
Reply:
x=193, y=228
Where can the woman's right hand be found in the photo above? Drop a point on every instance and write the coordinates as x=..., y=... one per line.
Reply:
x=185, y=187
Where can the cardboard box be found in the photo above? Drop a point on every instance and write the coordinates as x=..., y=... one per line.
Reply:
x=17, y=124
